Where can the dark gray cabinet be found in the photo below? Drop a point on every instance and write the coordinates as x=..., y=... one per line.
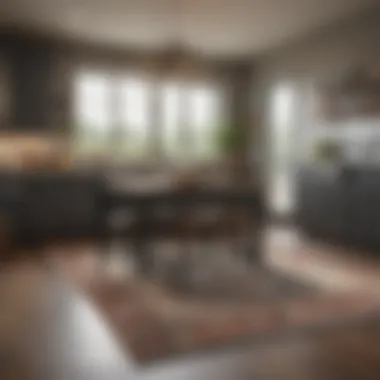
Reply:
x=30, y=63
x=340, y=206
x=46, y=205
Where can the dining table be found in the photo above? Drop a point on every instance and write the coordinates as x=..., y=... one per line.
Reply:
x=40, y=207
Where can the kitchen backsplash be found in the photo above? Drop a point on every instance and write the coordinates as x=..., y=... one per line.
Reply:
x=359, y=139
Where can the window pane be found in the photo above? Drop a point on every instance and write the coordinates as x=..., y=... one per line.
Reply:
x=115, y=114
x=135, y=115
x=92, y=111
x=171, y=118
x=282, y=128
x=204, y=120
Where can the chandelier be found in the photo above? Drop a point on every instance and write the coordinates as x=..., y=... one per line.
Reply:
x=178, y=57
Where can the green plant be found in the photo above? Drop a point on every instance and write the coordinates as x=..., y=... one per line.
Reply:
x=327, y=150
x=231, y=139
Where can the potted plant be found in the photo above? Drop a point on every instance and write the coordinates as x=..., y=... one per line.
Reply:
x=327, y=152
x=232, y=143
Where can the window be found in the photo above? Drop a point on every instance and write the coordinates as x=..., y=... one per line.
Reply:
x=124, y=116
x=192, y=116
x=92, y=113
x=282, y=150
x=204, y=120
x=171, y=94
x=134, y=117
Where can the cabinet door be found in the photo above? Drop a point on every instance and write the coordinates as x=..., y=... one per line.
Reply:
x=60, y=205
x=306, y=214
x=332, y=224
x=5, y=88
x=369, y=221
x=312, y=204
x=320, y=206
x=31, y=80
x=352, y=212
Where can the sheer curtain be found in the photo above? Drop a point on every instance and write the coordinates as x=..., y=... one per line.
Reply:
x=192, y=116
x=135, y=120
x=92, y=113
x=283, y=150
x=205, y=118
x=171, y=98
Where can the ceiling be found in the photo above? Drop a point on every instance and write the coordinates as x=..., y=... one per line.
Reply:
x=226, y=28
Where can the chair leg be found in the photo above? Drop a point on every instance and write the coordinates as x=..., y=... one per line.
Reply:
x=143, y=256
x=252, y=254
x=104, y=257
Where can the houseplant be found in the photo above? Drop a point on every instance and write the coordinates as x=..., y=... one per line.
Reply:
x=327, y=151
x=232, y=143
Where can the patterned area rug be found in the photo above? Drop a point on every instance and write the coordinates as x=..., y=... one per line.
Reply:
x=183, y=314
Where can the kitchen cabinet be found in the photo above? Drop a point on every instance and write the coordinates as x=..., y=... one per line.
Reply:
x=341, y=206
